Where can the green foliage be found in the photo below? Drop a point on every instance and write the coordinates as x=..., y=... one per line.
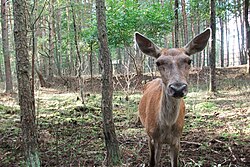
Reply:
x=126, y=17
x=199, y=9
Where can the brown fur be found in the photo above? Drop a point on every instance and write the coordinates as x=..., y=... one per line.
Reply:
x=150, y=107
x=162, y=108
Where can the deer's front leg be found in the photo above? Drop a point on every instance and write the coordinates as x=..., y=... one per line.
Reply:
x=174, y=153
x=151, y=152
x=158, y=148
x=155, y=147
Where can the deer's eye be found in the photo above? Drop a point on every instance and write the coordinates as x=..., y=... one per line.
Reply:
x=189, y=61
x=158, y=63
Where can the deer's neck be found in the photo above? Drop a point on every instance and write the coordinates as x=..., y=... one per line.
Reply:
x=170, y=108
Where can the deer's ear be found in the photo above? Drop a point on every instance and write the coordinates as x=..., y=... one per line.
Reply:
x=147, y=46
x=198, y=43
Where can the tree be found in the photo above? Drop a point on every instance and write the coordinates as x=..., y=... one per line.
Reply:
x=1, y=72
x=212, y=51
x=113, y=153
x=248, y=33
x=79, y=71
x=176, y=25
x=237, y=14
x=5, y=46
x=51, y=25
x=26, y=98
x=184, y=15
x=221, y=3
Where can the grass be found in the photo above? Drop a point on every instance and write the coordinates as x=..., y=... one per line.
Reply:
x=71, y=135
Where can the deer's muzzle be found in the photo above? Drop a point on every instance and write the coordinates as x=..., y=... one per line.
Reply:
x=177, y=90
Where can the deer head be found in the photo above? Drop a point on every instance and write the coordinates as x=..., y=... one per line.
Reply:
x=174, y=64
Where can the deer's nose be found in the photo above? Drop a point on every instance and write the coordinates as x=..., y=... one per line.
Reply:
x=178, y=90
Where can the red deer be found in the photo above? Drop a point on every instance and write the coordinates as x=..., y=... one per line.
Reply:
x=162, y=108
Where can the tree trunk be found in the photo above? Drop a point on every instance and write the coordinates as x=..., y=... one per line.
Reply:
x=243, y=53
x=176, y=25
x=248, y=33
x=41, y=78
x=5, y=46
x=227, y=38
x=26, y=98
x=173, y=38
x=193, y=34
x=70, y=62
x=112, y=147
x=184, y=15
x=221, y=42
x=51, y=39
x=91, y=64
x=119, y=58
x=238, y=41
x=58, y=40
x=1, y=72
x=213, y=50
x=79, y=71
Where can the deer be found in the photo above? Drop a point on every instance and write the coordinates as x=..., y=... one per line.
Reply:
x=162, y=107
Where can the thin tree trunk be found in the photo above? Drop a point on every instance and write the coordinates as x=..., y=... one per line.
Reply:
x=91, y=64
x=51, y=39
x=184, y=15
x=221, y=43
x=119, y=58
x=173, y=38
x=5, y=46
x=34, y=52
x=79, y=71
x=26, y=98
x=244, y=60
x=247, y=33
x=176, y=25
x=70, y=54
x=198, y=55
x=193, y=34
x=112, y=147
x=58, y=43
x=213, y=50
x=227, y=38
x=238, y=40
x=1, y=72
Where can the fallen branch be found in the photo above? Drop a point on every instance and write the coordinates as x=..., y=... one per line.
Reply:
x=230, y=149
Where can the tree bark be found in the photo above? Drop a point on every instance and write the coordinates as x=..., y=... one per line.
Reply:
x=227, y=38
x=212, y=56
x=91, y=64
x=243, y=53
x=1, y=72
x=5, y=46
x=238, y=40
x=112, y=147
x=221, y=43
x=248, y=34
x=176, y=25
x=79, y=71
x=26, y=98
x=184, y=15
x=58, y=43
x=51, y=39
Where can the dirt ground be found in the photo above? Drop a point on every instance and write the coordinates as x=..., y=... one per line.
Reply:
x=216, y=133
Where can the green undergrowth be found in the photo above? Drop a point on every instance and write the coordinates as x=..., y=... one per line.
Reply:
x=70, y=134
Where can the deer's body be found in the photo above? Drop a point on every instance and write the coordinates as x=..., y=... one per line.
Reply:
x=162, y=108
x=158, y=112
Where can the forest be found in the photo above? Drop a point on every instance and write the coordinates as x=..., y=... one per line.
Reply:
x=73, y=76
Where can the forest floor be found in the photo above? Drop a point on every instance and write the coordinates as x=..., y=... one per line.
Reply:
x=216, y=132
